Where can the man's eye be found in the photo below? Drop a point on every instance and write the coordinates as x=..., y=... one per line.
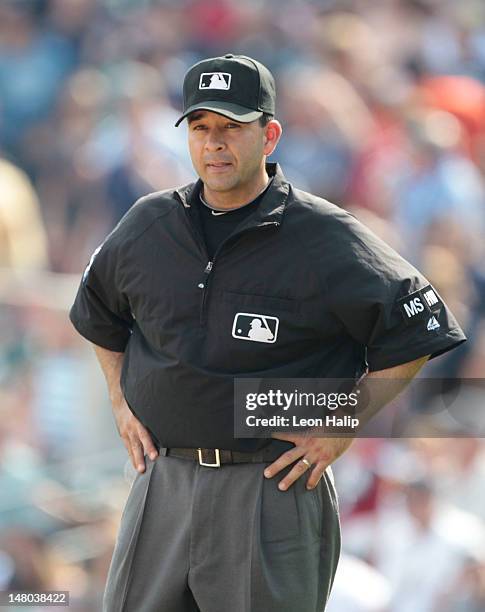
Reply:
x=198, y=127
x=232, y=125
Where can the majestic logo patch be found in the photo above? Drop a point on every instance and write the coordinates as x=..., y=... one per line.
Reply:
x=420, y=304
x=215, y=80
x=255, y=327
x=433, y=324
x=430, y=297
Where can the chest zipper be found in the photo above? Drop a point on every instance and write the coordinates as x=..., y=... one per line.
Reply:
x=205, y=284
x=205, y=290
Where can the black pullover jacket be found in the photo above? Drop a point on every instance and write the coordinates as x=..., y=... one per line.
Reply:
x=301, y=289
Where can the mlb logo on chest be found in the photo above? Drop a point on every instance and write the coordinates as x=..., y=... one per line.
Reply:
x=215, y=80
x=255, y=327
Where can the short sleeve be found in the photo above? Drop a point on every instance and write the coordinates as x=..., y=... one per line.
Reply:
x=385, y=303
x=101, y=312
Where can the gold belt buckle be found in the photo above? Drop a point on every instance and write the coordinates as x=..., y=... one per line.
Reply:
x=218, y=459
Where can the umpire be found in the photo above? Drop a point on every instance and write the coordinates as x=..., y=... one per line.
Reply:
x=238, y=274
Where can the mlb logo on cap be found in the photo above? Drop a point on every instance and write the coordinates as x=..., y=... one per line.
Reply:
x=235, y=86
x=215, y=80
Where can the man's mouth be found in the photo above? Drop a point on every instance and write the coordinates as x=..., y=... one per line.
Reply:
x=218, y=166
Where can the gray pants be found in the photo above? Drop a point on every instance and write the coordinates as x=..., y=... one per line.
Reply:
x=201, y=539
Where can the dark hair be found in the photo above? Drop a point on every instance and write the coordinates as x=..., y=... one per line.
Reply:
x=265, y=119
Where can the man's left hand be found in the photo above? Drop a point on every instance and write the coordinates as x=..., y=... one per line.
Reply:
x=318, y=452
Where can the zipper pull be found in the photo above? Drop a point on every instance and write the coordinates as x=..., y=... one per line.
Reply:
x=208, y=267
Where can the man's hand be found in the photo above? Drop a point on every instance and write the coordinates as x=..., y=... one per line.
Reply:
x=135, y=436
x=319, y=452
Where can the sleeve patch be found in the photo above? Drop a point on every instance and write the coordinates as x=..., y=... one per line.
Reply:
x=420, y=304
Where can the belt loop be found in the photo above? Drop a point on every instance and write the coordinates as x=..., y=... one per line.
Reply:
x=163, y=451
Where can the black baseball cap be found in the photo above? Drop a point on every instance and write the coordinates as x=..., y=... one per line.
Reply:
x=235, y=86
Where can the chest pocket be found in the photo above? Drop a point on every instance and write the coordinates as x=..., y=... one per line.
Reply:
x=250, y=333
x=261, y=301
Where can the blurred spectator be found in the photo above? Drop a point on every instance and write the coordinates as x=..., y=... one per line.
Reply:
x=23, y=243
x=438, y=182
x=418, y=543
x=358, y=587
x=461, y=476
x=27, y=552
x=33, y=65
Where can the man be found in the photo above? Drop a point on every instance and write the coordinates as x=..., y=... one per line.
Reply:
x=238, y=274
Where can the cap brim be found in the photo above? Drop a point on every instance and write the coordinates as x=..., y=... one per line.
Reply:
x=232, y=111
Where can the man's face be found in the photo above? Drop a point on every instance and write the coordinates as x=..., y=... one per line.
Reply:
x=227, y=155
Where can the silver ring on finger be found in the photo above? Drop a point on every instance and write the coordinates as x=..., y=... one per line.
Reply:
x=306, y=462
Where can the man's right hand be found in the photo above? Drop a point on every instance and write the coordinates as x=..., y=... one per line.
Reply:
x=135, y=436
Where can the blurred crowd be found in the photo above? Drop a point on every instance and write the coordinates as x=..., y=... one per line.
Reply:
x=383, y=109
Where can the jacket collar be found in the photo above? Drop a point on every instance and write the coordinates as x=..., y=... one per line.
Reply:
x=272, y=206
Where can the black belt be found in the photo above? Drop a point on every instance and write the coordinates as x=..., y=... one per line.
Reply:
x=215, y=457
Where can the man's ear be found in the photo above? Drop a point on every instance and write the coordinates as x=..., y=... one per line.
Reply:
x=272, y=134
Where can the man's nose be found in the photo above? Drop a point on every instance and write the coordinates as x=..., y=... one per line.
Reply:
x=214, y=141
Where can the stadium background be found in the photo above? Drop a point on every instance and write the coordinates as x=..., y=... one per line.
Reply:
x=383, y=108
